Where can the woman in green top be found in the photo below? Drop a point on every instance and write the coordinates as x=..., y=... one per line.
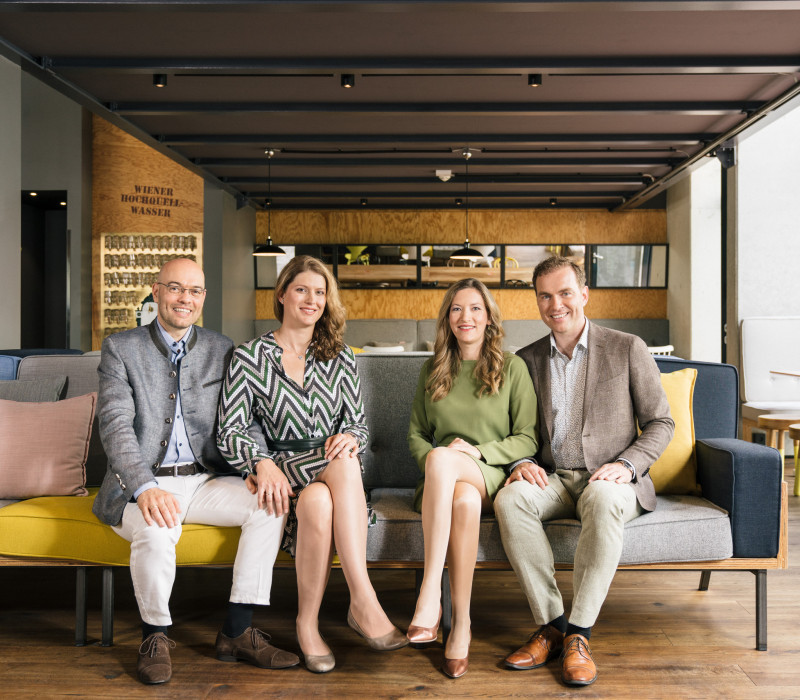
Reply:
x=478, y=405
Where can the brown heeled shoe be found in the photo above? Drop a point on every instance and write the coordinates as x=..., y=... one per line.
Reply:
x=421, y=636
x=387, y=642
x=455, y=668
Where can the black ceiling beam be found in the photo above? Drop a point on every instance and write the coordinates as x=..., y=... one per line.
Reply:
x=689, y=108
x=337, y=160
x=272, y=139
x=453, y=66
x=356, y=195
x=458, y=181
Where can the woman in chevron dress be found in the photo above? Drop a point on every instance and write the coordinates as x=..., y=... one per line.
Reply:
x=300, y=384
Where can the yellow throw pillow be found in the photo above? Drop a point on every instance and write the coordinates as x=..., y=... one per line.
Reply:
x=675, y=471
x=356, y=351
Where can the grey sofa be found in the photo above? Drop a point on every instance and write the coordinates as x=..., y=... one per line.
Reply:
x=739, y=523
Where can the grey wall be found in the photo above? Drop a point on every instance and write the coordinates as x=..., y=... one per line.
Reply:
x=228, y=239
x=10, y=208
x=56, y=155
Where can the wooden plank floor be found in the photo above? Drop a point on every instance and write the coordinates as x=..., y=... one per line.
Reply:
x=658, y=637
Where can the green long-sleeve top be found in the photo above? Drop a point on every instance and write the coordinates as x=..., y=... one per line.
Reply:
x=502, y=426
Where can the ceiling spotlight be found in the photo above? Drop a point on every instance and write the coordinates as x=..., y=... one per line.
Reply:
x=553, y=201
x=348, y=80
x=459, y=201
x=363, y=201
x=444, y=175
x=160, y=80
x=534, y=79
x=63, y=204
x=34, y=194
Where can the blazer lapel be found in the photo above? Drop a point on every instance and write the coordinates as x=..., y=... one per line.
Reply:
x=594, y=368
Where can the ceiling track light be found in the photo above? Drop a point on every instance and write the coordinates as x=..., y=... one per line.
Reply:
x=535, y=80
x=348, y=80
x=160, y=80
x=269, y=249
x=363, y=201
x=466, y=253
x=553, y=201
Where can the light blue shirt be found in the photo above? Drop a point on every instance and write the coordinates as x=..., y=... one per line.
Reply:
x=179, y=451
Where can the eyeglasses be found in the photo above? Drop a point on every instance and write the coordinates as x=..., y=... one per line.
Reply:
x=176, y=289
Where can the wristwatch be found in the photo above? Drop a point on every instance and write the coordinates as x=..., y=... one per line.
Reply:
x=625, y=463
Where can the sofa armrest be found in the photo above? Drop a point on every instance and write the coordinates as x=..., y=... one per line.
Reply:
x=744, y=479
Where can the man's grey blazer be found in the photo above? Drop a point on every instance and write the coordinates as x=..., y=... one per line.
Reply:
x=136, y=407
x=623, y=388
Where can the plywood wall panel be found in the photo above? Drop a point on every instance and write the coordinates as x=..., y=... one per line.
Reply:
x=514, y=303
x=447, y=226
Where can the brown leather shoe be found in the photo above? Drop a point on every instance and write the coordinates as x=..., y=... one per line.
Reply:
x=543, y=645
x=577, y=665
x=253, y=647
x=154, y=665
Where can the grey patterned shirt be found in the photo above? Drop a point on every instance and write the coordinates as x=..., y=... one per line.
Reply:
x=567, y=388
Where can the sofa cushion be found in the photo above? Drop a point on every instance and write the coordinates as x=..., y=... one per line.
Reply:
x=45, y=447
x=682, y=528
x=35, y=390
x=8, y=366
x=675, y=471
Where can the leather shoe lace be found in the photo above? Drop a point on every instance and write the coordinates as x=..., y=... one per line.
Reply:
x=577, y=665
x=154, y=664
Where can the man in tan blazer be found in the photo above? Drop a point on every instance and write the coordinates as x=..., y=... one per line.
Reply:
x=596, y=388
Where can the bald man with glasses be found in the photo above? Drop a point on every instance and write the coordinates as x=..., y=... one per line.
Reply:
x=157, y=411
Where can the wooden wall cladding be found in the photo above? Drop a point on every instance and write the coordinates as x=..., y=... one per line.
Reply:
x=136, y=190
x=514, y=303
x=496, y=226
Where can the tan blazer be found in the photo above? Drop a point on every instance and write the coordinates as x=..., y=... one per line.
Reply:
x=623, y=386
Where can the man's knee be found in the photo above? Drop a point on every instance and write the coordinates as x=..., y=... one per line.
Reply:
x=606, y=499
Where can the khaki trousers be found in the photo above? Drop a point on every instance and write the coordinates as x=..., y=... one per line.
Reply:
x=223, y=501
x=603, y=508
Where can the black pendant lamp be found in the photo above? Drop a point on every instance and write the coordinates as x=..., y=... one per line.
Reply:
x=269, y=249
x=466, y=253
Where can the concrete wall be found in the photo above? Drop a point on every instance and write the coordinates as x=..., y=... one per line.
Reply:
x=10, y=208
x=56, y=155
x=694, y=299
x=228, y=239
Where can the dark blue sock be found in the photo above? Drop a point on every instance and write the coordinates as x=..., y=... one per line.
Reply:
x=148, y=629
x=240, y=617
x=560, y=623
x=583, y=631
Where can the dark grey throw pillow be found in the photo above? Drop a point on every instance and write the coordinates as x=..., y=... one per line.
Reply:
x=35, y=390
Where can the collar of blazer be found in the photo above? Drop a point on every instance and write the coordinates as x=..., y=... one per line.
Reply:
x=158, y=340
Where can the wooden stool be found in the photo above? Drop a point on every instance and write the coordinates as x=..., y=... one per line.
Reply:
x=776, y=425
x=794, y=433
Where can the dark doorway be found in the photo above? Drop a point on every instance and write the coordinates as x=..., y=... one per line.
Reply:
x=44, y=270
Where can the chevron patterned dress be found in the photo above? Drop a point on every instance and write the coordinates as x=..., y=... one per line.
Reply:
x=257, y=389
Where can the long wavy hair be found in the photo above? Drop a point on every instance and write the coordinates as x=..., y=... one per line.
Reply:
x=447, y=356
x=327, y=340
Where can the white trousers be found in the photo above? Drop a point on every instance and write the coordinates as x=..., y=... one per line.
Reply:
x=204, y=500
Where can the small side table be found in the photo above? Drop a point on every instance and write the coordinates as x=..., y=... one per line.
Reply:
x=777, y=425
x=794, y=434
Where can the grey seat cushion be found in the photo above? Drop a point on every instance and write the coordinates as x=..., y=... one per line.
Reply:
x=682, y=528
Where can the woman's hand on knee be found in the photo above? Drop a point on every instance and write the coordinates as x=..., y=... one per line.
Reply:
x=341, y=446
x=272, y=488
x=465, y=447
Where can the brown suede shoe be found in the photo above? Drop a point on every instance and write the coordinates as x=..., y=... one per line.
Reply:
x=543, y=645
x=154, y=665
x=577, y=665
x=253, y=647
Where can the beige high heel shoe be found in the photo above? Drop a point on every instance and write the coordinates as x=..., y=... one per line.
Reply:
x=420, y=636
x=387, y=642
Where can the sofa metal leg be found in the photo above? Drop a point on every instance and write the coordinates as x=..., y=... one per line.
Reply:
x=447, y=606
x=761, y=609
x=705, y=579
x=80, y=606
x=108, y=607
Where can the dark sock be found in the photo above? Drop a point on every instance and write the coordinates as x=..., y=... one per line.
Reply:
x=240, y=617
x=148, y=629
x=583, y=631
x=560, y=623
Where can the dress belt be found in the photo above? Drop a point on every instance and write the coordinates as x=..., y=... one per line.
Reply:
x=180, y=470
x=296, y=445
